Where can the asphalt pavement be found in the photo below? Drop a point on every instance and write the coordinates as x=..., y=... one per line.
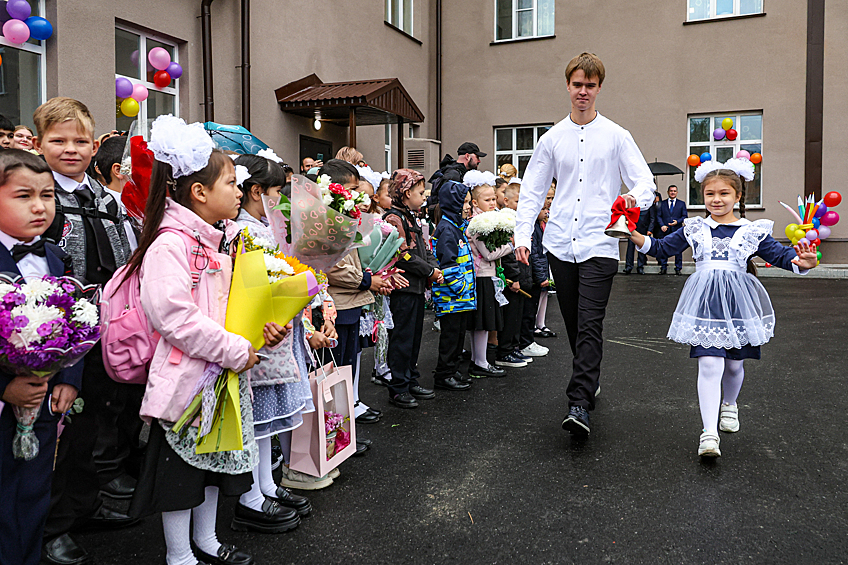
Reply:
x=489, y=477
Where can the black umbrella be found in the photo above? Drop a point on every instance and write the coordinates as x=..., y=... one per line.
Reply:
x=658, y=168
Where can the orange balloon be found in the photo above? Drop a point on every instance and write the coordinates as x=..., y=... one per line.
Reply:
x=693, y=160
x=756, y=158
x=1, y=59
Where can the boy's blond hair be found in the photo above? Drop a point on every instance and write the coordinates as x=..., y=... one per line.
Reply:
x=590, y=64
x=59, y=110
x=511, y=190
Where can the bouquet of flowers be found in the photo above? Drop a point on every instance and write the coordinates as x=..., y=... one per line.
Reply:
x=380, y=253
x=320, y=224
x=494, y=229
x=337, y=436
x=46, y=324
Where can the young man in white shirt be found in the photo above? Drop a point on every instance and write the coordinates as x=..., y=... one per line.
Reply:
x=590, y=156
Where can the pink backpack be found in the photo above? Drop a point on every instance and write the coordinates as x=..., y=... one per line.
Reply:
x=127, y=338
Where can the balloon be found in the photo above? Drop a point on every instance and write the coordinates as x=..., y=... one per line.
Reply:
x=832, y=199
x=790, y=230
x=816, y=223
x=803, y=241
x=824, y=232
x=16, y=31
x=830, y=219
x=175, y=70
x=1, y=60
x=768, y=264
x=727, y=123
x=818, y=256
x=159, y=58
x=129, y=107
x=743, y=155
x=812, y=234
x=18, y=9
x=39, y=28
x=732, y=134
x=820, y=211
x=756, y=158
x=705, y=156
x=693, y=160
x=123, y=87
x=718, y=134
x=139, y=93
x=799, y=234
x=817, y=242
x=161, y=79
x=134, y=58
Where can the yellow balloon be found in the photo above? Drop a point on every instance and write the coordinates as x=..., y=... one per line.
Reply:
x=799, y=234
x=727, y=123
x=130, y=107
x=790, y=230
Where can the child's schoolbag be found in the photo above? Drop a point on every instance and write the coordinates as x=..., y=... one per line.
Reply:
x=127, y=338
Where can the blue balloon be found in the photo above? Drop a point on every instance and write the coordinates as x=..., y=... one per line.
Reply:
x=39, y=28
x=816, y=223
x=705, y=156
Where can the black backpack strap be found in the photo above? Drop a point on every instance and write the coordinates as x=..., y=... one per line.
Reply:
x=87, y=213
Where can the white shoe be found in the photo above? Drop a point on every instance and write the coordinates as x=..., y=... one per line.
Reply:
x=708, y=446
x=534, y=350
x=334, y=474
x=728, y=418
x=301, y=481
x=598, y=391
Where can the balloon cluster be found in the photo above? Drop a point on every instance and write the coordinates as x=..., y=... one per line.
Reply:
x=726, y=131
x=132, y=95
x=814, y=220
x=23, y=25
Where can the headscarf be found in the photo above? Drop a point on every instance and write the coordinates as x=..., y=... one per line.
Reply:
x=403, y=180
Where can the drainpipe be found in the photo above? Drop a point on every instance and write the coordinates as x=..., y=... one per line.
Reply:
x=206, y=39
x=245, y=63
x=438, y=70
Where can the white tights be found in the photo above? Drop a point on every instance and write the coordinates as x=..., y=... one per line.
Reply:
x=542, y=310
x=263, y=480
x=715, y=374
x=479, y=343
x=176, y=526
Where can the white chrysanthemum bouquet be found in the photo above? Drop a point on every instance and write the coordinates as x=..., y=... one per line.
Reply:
x=494, y=229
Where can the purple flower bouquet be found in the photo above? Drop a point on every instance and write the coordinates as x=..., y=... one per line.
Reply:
x=46, y=325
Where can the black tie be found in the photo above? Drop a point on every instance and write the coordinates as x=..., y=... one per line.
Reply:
x=21, y=250
x=85, y=196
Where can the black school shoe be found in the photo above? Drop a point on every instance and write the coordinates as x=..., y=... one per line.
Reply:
x=450, y=383
x=272, y=519
x=421, y=393
x=227, y=555
x=404, y=400
x=577, y=421
x=285, y=497
x=478, y=372
x=64, y=551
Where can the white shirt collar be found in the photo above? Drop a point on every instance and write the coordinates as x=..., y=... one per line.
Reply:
x=714, y=224
x=9, y=242
x=68, y=184
x=576, y=125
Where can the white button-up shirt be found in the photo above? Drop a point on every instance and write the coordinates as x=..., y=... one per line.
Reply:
x=589, y=162
x=70, y=185
x=31, y=266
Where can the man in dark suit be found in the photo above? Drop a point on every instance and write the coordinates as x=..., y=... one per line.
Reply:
x=646, y=225
x=672, y=214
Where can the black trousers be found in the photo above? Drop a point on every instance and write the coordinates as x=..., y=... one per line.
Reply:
x=405, y=342
x=583, y=291
x=451, y=341
x=678, y=259
x=641, y=261
x=512, y=314
x=528, y=318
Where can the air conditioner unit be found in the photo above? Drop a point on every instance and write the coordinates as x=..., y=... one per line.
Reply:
x=422, y=155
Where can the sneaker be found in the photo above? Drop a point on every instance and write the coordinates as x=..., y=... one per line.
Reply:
x=482, y=372
x=577, y=421
x=510, y=361
x=708, y=446
x=534, y=350
x=334, y=474
x=301, y=481
x=437, y=326
x=598, y=391
x=521, y=356
x=728, y=418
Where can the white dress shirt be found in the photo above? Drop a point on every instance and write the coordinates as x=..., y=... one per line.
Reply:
x=31, y=266
x=127, y=227
x=70, y=185
x=589, y=162
x=671, y=202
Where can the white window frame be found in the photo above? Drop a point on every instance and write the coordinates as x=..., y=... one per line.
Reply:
x=713, y=16
x=714, y=145
x=515, y=11
x=39, y=49
x=387, y=149
x=404, y=6
x=538, y=131
x=142, y=116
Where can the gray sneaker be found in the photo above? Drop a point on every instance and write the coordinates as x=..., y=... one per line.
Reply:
x=728, y=418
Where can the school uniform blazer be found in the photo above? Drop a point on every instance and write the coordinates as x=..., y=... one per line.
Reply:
x=667, y=216
x=59, y=264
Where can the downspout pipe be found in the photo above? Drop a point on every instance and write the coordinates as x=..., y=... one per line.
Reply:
x=206, y=43
x=438, y=70
x=245, y=63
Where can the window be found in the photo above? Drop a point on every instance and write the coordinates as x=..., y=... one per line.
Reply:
x=131, y=49
x=387, y=149
x=517, y=19
x=706, y=9
x=516, y=145
x=22, y=72
x=399, y=14
x=750, y=139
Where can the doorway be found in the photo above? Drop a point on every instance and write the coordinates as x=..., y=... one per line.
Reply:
x=318, y=149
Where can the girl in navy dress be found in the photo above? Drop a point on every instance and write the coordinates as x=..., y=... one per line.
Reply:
x=724, y=313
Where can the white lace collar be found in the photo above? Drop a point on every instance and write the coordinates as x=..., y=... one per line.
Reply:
x=714, y=224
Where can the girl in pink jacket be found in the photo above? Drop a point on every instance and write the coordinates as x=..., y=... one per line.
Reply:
x=184, y=295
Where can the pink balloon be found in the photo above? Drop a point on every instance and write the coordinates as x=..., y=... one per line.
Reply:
x=831, y=218
x=16, y=31
x=824, y=232
x=743, y=155
x=159, y=58
x=812, y=235
x=139, y=93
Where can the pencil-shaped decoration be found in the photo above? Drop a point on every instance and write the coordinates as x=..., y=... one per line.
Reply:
x=815, y=209
x=791, y=211
x=800, y=206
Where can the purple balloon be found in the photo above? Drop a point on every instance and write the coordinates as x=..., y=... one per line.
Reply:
x=821, y=210
x=719, y=133
x=830, y=219
x=134, y=58
x=824, y=233
x=812, y=235
x=123, y=87
x=18, y=9
x=803, y=241
x=175, y=70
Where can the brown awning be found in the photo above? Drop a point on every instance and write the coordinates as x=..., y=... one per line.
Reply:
x=380, y=101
